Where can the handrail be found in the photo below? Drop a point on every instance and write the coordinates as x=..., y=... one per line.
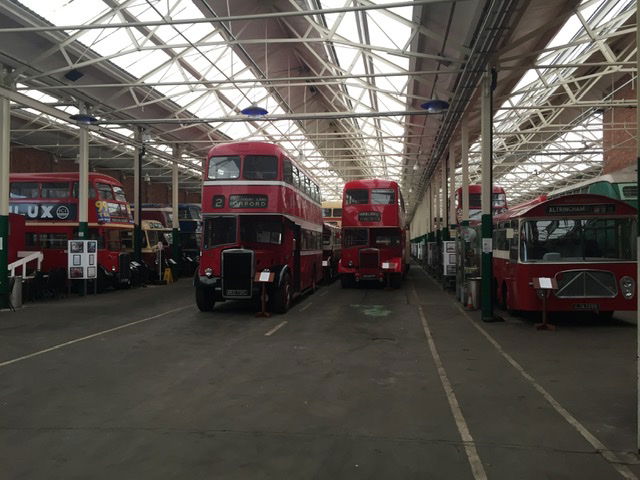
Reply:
x=39, y=256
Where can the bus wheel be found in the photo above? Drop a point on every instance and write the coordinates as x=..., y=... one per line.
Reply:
x=282, y=296
x=396, y=280
x=346, y=280
x=605, y=316
x=503, y=295
x=204, y=298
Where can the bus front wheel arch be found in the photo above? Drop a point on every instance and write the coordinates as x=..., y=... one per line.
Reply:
x=205, y=299
x=282, y=295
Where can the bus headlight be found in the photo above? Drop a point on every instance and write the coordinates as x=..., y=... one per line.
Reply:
x=628, y=287
x=208, y=272
x=113, y=269
x=350, y=263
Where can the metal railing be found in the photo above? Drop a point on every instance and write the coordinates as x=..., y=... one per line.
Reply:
x=26, y=259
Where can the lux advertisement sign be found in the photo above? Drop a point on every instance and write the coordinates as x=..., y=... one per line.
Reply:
x=44, y=211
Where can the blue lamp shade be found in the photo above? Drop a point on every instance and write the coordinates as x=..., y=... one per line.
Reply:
x=435, y=106
x=254, y=110
x=84, y=119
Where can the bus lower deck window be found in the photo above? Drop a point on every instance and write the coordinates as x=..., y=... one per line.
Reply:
x=219, y=231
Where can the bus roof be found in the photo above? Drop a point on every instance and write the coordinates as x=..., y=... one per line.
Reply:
x=61, y=176
x=625, y=175
x=477, y=188
x=371, y=183
x=538, y=207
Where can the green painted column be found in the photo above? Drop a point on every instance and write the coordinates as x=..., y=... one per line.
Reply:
x=445, y=234
x=5, y=167
x=486, y=114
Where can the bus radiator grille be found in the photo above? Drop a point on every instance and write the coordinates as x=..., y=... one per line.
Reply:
x=369, y=258
x=586, y=284
x=237, y=273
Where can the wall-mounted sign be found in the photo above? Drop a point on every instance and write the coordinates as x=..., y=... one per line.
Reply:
x=248, y=201
x=369, y=216
x=82, y=259
x=46, y=211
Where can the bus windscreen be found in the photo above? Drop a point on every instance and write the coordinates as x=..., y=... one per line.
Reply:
x=578, y=240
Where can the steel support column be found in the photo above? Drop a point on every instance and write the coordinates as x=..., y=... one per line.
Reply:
x=487, y=198
x=464, y=159
x=138, y=156
x=438, y=216
x=453, y=222
x=445, y=211
x=5, y=167
x=638, y=220
x=83, y=183
x=177, y=252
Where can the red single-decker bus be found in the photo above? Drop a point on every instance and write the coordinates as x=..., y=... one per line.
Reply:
x=374, y=237
x=261, y=211
x=586, y=242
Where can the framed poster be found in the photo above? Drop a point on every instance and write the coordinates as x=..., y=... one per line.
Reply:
x=81, y=259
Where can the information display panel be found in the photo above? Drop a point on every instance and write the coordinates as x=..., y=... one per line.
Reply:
x=82, y=259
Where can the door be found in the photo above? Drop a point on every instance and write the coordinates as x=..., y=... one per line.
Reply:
x=297, y=241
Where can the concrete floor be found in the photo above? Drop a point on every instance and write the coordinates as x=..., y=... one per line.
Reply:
x=348, y=387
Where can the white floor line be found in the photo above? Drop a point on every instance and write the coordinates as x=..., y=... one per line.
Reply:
x=608, y=455
x=469, y=446
x=275, y=329
x=93, y=335
x=305, y=307
x=322, y=294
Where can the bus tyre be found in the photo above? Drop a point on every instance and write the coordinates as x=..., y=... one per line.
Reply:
x=204, y=298
x=282, y=296
x=396, y=280
x=346, y=280
x=605, y=316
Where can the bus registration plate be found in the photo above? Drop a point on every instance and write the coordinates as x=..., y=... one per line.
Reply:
x=585, y=306
x=237, y=293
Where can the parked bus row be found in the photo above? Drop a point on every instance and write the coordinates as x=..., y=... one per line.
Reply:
x=48, y=205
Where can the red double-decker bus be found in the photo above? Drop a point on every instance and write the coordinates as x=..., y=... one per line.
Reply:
x=331, y=250
x=374, y=237
x=261, y=211
x=585, y=242
x=49, y=202
x=499, y=200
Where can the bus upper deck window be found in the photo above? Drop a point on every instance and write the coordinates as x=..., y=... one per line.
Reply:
x=326, y=212
x=287, y=171
x=119, y=192
x=104, y=191
x=499, y=200
x=337, y=212
x=92, y=191
x=296, y=176
x=382, y=196
x=23, y=190
x=55, y=190
x=357, y=197
x=260, y=167
x=224, y=167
